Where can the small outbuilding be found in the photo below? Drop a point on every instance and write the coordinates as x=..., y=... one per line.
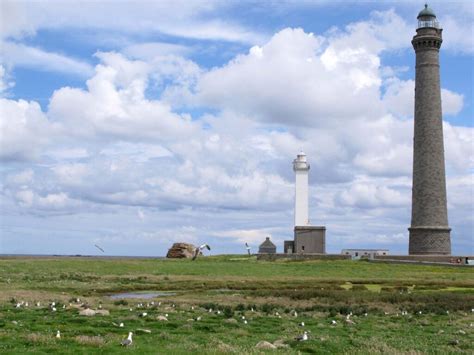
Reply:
x=364, y=253
x=267, y=247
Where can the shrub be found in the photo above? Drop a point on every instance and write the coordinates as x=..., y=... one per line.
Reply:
x=121, y=302
x=228, y=313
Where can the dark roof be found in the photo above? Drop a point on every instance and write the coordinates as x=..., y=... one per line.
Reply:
x=426, y=12
x=267, y=244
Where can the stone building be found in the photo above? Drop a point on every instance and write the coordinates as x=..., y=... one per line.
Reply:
x=429, y=230
x=267, y=247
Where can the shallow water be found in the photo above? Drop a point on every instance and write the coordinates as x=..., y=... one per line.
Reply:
x=141, y=295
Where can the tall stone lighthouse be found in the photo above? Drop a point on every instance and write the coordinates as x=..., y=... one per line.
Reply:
x=429, y=231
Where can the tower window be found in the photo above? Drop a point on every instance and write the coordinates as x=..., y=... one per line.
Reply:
x=302, y=247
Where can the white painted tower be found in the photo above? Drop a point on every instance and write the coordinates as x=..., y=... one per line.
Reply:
x=301, y=168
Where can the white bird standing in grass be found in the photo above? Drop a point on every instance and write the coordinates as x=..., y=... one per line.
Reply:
x=128, y=341
x=199, y=249
x=303, y=337
x=302, y=324
x=58, y=335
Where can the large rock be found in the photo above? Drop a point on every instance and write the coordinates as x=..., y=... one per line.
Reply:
x=181, y=250
x=87, y=312
x=265, y=345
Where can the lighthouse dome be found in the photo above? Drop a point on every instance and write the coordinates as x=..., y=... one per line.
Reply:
x=426, y=12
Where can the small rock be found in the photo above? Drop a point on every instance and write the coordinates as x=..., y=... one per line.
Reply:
x=147, y=331
x=280, y=343
x=87, y=312
x=461, y=332
x=441, y=331
x=231, y=321
x=454, y=342
x=265, y=345
x=162, y=318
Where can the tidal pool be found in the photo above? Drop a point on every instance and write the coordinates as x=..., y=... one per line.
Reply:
x=141, y=295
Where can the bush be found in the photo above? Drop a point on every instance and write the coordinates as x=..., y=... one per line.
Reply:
x=121, y=302
x=267, y=307
x=228, y=313
x=240, y=307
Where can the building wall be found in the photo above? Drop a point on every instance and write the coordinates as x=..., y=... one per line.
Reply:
x=366, y=253
x=309, y=240
x=267, y=250
x=301, y=198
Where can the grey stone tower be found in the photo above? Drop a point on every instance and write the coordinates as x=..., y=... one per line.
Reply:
x=429, y=231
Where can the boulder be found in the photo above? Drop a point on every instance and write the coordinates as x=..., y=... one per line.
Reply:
x=265, y=345
x=87, y=312
x=102, y=312
x=280, y=343
x=181, y=250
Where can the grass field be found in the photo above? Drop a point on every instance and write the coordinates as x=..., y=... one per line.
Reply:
x=395, y=308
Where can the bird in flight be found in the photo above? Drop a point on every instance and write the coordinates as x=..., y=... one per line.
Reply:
x=248, y=248
x=98, y=247
x=198, y=250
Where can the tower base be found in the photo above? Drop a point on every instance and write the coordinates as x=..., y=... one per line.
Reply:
x=429, y=241
x=310, y=240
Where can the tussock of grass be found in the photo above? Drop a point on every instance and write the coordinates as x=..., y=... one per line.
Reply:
x=90, y=340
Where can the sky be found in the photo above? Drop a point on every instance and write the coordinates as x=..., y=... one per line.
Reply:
x=136, y=124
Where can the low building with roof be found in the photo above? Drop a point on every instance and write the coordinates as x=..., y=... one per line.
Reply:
x=267, y=247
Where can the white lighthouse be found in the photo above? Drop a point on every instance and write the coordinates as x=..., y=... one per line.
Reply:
x=301, y=168
x=308, y=239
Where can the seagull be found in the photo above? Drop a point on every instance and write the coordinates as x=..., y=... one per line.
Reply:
x=302, y=324
x=303, y=337
x=128, y=341
x=121, y=325
x=245, y=322
x=333, y=322
x=248, y=248
x=58, y=335
x=199, y=249
x=144, y=314
x=98, y=247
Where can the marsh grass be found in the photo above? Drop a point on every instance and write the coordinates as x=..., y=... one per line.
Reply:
x=319, y=291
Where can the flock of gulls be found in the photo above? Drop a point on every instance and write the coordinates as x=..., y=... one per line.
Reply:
x=144, y=309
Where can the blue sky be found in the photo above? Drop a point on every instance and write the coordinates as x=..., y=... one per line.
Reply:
x=134, y=125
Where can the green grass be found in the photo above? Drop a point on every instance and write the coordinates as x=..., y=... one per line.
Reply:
x=319, y=291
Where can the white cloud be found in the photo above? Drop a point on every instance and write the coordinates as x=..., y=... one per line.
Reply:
x=150, y=50
x=5, y=82
x=181, y=18
x=24, y=129
x=114, y=105
x=15, y=54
